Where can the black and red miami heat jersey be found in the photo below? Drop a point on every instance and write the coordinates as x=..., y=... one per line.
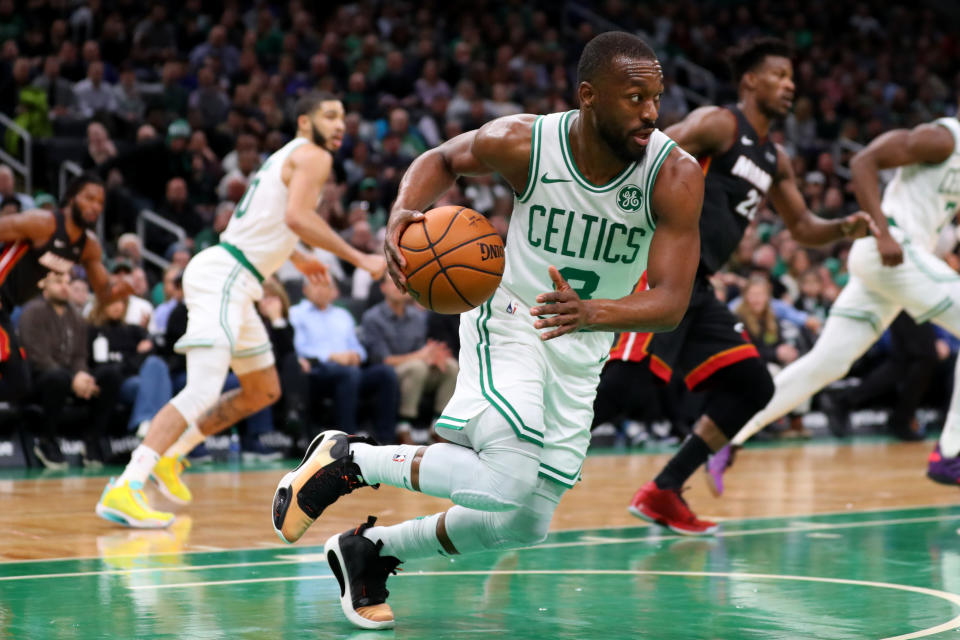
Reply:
x=22, y=267
x=735, y=183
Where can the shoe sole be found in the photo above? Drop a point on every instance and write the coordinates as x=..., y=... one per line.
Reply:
x=947, y=480
x=663, y=523
x=119, y=517
x=49, y=464
x=285, y=505
x=166, y=493
x=335, y=559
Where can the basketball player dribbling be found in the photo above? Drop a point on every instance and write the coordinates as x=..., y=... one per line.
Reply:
x=601, y=195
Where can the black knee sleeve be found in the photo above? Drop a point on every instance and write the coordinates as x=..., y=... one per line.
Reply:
x=736, y=393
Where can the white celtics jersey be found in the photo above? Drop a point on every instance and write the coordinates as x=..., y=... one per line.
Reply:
x=257, y=227
x=922, y=198
x=598, y=236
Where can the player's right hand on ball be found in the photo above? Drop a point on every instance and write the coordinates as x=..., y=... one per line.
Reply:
x=399, y=220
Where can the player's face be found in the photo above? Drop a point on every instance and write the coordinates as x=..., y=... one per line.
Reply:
x=87, y=205
x=327, y=126
x=627, y=104
x=774, y=86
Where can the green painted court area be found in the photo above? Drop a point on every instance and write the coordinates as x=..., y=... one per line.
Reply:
x=880, y=574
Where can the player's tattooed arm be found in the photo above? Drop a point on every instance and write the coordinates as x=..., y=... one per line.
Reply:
x=805, y=226
x=925, y=144
x=672, y=263
x=500, y=146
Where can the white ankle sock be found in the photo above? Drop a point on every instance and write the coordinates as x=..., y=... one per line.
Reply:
x=142, y=461
x=188, y=440
x=388, y=465
x=408, y=540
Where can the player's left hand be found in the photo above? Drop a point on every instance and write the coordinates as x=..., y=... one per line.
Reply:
x=857, y=225
x=568, y=312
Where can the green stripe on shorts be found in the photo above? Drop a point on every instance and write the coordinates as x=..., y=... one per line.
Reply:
x=492, y=395
x=856, y=314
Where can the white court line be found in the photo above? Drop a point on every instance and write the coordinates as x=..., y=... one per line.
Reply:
x=953, y=599
x=586, y=541
x=583, y=542
x=123, y=572
x=639, y=525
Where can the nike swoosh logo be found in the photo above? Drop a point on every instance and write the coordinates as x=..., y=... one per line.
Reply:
x=745, y=141
x=546, y=180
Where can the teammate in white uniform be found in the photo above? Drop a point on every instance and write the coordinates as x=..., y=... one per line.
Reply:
x=601, y=194
x=221, y=286
x=892, y=271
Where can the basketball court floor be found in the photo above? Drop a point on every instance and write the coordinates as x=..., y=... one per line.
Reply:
x=819, y=540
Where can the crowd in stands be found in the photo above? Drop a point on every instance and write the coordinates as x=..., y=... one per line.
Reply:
x=176, y=106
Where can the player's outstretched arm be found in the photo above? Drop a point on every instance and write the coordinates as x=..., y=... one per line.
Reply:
x=805, y=226
x=310, y=168
x=925, y=144
x=501, y=146
x=671, y=266
x=34, y=226
x=106, y=289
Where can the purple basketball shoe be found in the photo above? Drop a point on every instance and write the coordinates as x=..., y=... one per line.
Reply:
x=942, y=469
x=717, y=465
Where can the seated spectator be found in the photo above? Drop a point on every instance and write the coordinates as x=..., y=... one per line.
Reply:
x=55, y=335
x=7, y=189
x=93, y=94
x=9, y=205
x=79, y=294
x=248, y=161
x=60, y=98
x=395, y=333
x=138, y=309
x=171, y=293
x=326, y=337
x=130, y=249
x=100, y=147
x=211, y=101
x=130, y=103
x=178, y=209
x=211, y=235
x=146, y=377
x=770, y=336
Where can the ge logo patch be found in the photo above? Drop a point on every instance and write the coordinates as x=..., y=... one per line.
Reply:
x=629, y=198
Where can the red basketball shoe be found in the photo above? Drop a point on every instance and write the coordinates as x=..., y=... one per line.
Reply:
x=667, y=508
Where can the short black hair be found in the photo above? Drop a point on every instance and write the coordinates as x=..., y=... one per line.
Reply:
x=751, y=54
x=310, y=102
x=604, y=48
x=77, y=184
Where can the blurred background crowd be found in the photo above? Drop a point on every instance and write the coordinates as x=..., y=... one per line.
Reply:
x=176, y=105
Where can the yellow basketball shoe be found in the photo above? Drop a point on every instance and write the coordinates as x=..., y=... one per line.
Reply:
x=166, y=475
x=127, y=505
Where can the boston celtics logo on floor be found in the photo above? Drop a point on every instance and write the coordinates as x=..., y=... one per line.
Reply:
x=629, y=198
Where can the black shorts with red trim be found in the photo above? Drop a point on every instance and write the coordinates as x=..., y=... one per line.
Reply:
x=708, y=339
x=14, y=374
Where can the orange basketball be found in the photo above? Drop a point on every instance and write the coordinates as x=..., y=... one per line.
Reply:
x=454, y=259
